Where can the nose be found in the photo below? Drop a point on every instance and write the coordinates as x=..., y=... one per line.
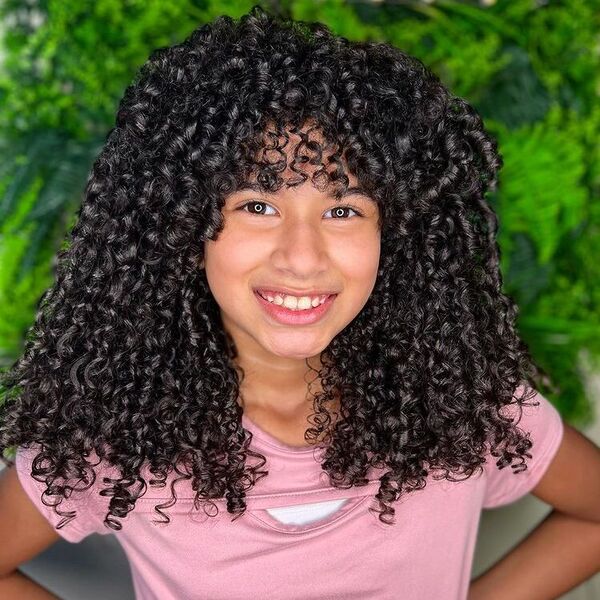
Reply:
x=301, y=250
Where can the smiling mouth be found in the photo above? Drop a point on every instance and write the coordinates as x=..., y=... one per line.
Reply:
x=293, y=302
x=289, y=313
x=285, y=292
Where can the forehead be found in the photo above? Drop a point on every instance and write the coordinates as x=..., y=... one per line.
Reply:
x=283, y=157
x=350, y=190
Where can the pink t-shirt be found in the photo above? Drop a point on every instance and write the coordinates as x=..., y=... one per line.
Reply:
x=347, y=555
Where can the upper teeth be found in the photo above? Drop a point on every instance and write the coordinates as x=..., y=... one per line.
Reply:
x=295, y=302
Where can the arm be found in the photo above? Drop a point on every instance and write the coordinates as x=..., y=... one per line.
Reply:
x=557, y=556
x=17, y=585
x=24, y=533
x=564, y=550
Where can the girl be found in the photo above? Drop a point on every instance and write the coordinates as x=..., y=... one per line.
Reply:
x=277, y=361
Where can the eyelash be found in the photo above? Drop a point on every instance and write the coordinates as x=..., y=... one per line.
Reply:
x=243, y=206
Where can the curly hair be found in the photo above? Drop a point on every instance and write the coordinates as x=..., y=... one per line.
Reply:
x=128, y=356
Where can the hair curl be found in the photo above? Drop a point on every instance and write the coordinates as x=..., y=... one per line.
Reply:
x=128, y=357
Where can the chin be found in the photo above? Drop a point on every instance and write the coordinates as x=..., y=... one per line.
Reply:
x=296, y=351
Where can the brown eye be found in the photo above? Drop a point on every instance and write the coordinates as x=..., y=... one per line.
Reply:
x=339, y=211
x=257, y=207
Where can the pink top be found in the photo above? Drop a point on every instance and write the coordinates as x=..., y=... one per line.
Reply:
x=347, y=555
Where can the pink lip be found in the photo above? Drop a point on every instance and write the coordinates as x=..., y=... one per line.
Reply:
x=284, y=315
x=282, y=291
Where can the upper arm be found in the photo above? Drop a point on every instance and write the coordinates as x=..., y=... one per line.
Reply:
x=571, y=483
x=23, y=530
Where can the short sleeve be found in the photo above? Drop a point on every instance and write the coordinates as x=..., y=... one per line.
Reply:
x=546, y=428
x=86, y=521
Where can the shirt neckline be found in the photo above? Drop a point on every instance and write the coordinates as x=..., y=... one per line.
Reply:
x=268, y=439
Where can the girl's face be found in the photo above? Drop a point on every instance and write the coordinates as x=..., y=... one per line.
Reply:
x=298, y=240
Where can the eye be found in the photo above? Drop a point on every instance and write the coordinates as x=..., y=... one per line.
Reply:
x=260, y=211
x=256, y=207
x=338, y=211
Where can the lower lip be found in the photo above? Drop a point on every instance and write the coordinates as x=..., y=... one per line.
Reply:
x=284, y=315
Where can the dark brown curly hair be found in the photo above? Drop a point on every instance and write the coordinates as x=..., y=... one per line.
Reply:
x=128, y=356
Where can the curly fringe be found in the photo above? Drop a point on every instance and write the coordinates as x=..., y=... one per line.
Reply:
x=128, y=357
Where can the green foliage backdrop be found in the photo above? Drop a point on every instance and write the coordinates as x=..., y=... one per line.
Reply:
x=531, y=68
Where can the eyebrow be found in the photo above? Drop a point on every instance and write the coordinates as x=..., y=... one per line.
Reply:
x=355, y=190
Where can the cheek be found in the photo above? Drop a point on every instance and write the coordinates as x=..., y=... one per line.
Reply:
x=232, y=255
x=359, y=260
x=228, y=260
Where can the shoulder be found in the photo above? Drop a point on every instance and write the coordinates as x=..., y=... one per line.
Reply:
x=75, y=512
x=541, y=422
